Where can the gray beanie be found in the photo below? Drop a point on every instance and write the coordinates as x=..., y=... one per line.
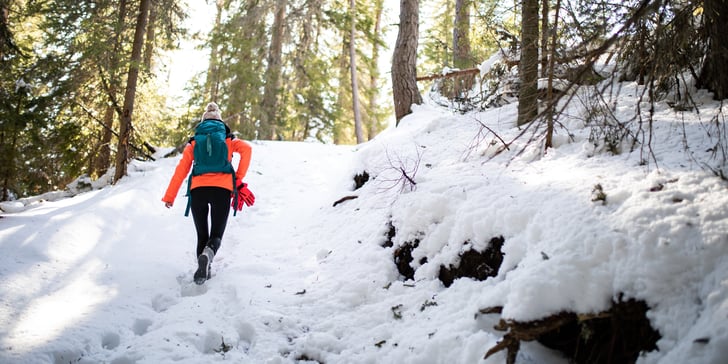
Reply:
x=212, y=111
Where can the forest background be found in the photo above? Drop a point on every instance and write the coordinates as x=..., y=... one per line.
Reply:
x=85, y=85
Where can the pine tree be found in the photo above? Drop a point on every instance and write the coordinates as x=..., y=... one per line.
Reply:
x=404, y=60
x=123, y=149
x=461, y=35
x=272, y=86
x=528, y=66
x=353, y=69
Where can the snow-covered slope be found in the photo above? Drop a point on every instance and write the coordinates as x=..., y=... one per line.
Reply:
x=104, y=277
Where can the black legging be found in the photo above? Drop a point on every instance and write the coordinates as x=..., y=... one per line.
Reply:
x=216, y=200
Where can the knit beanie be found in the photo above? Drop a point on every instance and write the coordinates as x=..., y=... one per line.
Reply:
x=212, y=112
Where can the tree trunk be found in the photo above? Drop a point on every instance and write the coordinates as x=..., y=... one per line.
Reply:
x=103, y=159
x=461, y=46
x=302, y=77
x=6, y=37
x=461, y=35
x=341, y=124
x=528, y=66
x=9, y=169
x=713, y=76
x=550, y=72
x=151, y=34
x=102, y=162
x=273, y=74
x=8, y=149
x=545, y=37
x=213, y=75
x=404, y=60
x=374, y=74
x=354, y=82
x=125, y=128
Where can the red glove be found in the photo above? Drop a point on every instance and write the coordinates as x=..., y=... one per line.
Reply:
x=244, y=197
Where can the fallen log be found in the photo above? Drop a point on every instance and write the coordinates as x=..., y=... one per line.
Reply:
x=617, y=335
x=449, y=74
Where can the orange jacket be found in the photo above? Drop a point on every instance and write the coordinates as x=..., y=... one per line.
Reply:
x=209, y=179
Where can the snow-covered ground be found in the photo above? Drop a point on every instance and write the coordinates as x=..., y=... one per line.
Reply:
x=104, y=277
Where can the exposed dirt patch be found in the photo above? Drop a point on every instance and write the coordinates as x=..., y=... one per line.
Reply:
x=391, y=232
x=403, y=259
x=617, y=335
x=474, y=264
x=360, y=179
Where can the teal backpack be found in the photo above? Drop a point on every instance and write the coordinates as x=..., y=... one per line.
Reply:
x=210, y=154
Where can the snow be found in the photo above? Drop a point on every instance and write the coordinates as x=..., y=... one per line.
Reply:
x=105, y=276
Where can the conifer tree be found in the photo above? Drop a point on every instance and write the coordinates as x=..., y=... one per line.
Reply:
x=123, y=149
x=404, y=60
x=354, y=74
x=461, y=35
x=307, y=92
x=272, y=86
x=528, y=66
x=373, y=113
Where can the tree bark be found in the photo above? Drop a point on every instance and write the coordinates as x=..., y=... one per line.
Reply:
x=354, y=82
x=273, y=74
x=461, y=35
x=212, y=80
x=461, y=46
x=151, y=34
x=713, y=76
x=103, y=159
x=545, y=37
x=528, y=72
x=374, y=74
x=125, y=128
x=341, y=125
x=550, y=73
x=404, y=60
x=6, y=36
x=302, y=80
x=8, y=150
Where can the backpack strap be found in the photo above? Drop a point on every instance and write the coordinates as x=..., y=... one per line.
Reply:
x=189, y=196
x=189, y=184
x=235, y=196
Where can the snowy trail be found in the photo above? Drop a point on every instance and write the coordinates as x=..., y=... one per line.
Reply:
x=270, y=258
x=111, y=268
x=265, y=261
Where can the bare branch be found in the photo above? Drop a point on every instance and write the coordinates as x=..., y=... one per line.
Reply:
x=405, y=172
x=455, y=73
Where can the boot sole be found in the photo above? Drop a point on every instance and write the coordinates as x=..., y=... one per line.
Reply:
x=201, y=273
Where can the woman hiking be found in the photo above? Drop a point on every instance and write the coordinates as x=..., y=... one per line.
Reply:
x=211, y=184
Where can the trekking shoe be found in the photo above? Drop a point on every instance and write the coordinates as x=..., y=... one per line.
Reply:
x=203, y=265
x=201, y=274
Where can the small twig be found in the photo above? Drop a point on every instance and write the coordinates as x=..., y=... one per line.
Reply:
x=405, y=175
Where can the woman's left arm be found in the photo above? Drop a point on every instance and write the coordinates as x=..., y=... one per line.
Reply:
x=244, y=150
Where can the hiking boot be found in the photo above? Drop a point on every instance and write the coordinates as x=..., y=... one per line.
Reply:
x=204, y=261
